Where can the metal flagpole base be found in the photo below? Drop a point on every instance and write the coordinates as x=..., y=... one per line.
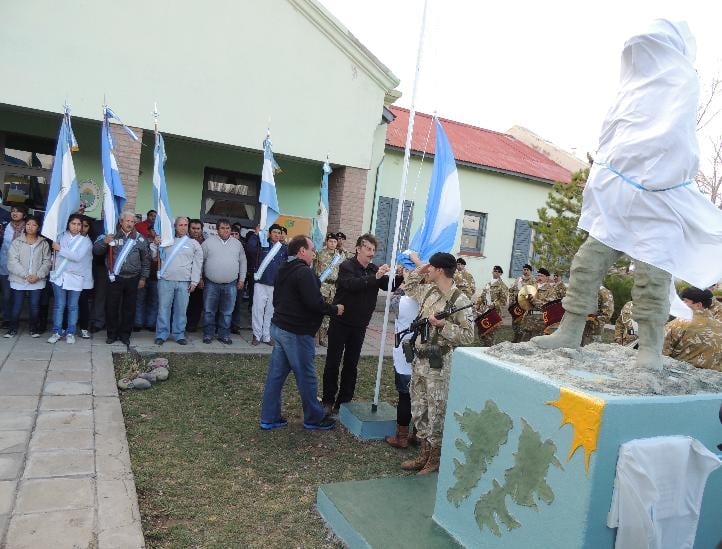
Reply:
x=367, y=424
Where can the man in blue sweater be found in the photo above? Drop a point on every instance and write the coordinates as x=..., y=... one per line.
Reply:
x=299, y=308
x=268, y=260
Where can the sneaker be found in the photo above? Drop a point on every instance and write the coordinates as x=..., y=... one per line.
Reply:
x=11, y=333
x=225, y=340
x=182, y=342
x=54, y=338
x=207, y=340
x=255, y=341
x=34, y=334
x=159, y=341
x=70, y=338
x=85, y=334
x=282, y=422
x=326, y=424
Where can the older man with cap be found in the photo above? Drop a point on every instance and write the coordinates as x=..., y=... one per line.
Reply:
x=180, y=271
x=640, y=198
x=127, y=260
x=268, y=260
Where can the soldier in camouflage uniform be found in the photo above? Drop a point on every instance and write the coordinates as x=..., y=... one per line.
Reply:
x=715, y=309
x=594, y=328
x=532, y=323
x=328, y=257
x=463, y=279
x=340, y=246
x=625, y=330
x=524, y=280
x=494, y=295
x=697, y=341
x=432, y=286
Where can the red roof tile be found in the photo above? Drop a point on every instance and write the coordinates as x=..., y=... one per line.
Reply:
x=478, y=146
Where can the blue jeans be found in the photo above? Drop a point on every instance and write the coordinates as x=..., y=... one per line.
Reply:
x=292, y=352
x=6, y=295
x=63, y=298
x=18, y=299
x=146, y=305
x=172, y=298
x=218, y=298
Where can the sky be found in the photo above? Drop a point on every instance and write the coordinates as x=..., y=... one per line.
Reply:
x=552, y=67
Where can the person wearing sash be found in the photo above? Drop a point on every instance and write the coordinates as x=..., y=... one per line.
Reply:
x=73, y=264
x=268, y=260
x=180, y=271
x=494, y=295
x=357, y=287
x=28, y=265
x=127, y=260
x=10, y=231
x=326, y=267
x=517, y=313
x=224, y=272
x=432, y=286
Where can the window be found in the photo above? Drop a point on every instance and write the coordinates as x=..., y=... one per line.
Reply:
x=473, y=233
x=231, y=195
x=25, y=166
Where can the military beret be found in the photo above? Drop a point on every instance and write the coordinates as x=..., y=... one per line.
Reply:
x=543, y=271
x=340, y=235
x=331, y=236
x=442, y=260
x=461, y=261
x=498, y=269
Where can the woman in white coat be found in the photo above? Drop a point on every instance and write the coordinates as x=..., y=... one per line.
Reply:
x=72, y=268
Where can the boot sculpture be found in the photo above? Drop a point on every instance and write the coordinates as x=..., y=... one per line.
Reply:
x=420, y=461
x=649, y=293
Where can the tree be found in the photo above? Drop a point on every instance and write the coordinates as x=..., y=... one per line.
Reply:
x=556, y=237
x=709, y=178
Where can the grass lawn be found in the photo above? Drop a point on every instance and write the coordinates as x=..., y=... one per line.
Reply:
x=207, y=476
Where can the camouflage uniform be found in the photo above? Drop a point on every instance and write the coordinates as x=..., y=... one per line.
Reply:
x=495, y=295
x=532, y=323
x=716, y=309
x=625, y=330
x=464, y=280
x=697, y=341
x=594, y=329
x=328, y=286
x=429, y=386
x=513, y=300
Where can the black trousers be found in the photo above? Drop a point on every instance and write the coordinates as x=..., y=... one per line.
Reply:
x=100, y=281
x=194, y=310
x=343, y=341
x=120, y=307
x=84, y=309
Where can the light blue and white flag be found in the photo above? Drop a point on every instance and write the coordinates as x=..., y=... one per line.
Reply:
x=267, y=197
x=163, y=226
x=443, y=206
x=320, y=225
x=63, y=195
x=113, y=191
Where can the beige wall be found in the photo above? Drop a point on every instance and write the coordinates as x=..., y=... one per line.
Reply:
x=218, y=70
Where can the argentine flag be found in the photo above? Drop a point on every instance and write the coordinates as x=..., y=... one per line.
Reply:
x=321, y=223
x=267, y=197
x=113, y=192
x=443, y=205
x=63, y=195
x=163, y=226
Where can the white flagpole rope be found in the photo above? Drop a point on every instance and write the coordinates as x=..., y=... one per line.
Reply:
x=397, y=225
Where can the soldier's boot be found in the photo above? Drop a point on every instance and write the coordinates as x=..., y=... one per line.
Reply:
x=400, y=439
x=650, y=295
x=432, y=464
x=589, y=266
x=418, y=463
x=413, y=439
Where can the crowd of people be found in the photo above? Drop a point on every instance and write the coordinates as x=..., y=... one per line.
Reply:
x=299, y=297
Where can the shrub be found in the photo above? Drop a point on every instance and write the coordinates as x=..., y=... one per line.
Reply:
x=621, y=287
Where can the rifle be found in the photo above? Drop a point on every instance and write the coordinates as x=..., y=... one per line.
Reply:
x=420, y=326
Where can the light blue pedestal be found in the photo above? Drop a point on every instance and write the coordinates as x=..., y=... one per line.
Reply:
x=550, y=506
x=358, y=418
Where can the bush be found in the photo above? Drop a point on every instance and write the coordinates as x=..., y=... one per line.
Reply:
x=621, y=287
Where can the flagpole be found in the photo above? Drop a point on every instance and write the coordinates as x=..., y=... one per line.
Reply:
x=397, y=225
x=155, y=126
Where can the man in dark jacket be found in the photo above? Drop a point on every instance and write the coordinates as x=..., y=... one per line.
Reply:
x=298, y=310
x=127, y=259
x=357, y=287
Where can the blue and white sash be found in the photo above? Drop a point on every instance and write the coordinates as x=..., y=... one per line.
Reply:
x=176, y=248
x=331, y=266
x=124, y=251
x=58, y=272
x=267, y=261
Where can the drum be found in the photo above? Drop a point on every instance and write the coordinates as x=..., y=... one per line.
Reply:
x=553, y=313
x=487, y=321
x=516, y=312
